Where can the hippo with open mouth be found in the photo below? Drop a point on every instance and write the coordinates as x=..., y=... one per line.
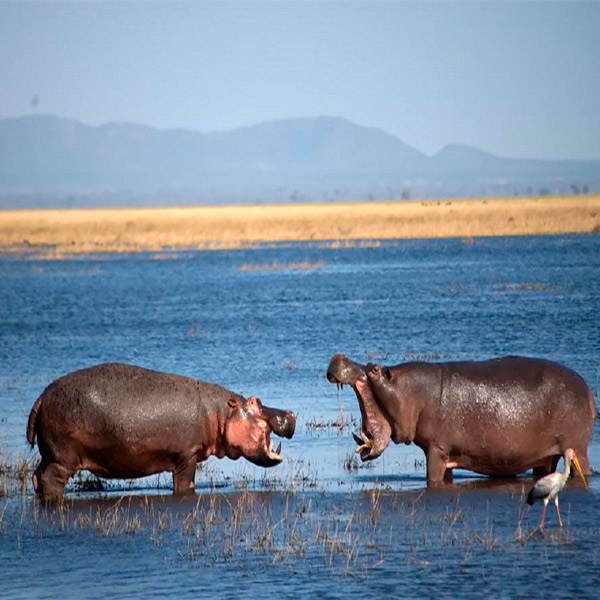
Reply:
x=122, y=421
x=497, y=417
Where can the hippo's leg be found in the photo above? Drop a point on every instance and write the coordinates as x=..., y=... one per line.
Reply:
x=436, y=466
x=184, y=475
x=51, y=479
x=545, y=468
x=36, y=478
x=448, y=476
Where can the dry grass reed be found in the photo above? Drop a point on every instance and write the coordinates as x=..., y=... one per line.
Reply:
x=58, y=233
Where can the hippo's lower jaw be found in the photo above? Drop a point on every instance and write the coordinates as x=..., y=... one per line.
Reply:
x=364, y=445
x=269, y=458
x=369, y=446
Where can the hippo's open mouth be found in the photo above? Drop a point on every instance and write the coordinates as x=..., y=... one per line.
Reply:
x=364, y=441
x=271, y=457
x=274, y=456
x=375, y=430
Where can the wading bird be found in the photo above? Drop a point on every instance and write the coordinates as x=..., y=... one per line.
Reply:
x=547, y=488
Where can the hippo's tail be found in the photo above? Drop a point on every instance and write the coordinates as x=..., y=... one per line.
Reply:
x=31, y=421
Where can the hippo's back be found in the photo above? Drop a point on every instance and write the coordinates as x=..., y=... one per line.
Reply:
x=517, y=386
x=506, y=403
x=119, y=401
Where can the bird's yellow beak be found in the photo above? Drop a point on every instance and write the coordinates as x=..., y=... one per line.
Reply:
x=578, y=467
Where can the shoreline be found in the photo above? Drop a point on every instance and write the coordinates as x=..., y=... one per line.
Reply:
x=66, y=232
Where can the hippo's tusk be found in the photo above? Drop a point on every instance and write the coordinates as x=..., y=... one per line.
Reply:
x=274, y=455
x=364, y=442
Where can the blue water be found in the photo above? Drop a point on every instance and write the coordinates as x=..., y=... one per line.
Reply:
x=255, y=323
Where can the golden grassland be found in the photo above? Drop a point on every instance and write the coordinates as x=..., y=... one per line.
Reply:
x=66, y=232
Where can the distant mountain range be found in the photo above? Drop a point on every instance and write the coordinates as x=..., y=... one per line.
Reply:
x=50, y=161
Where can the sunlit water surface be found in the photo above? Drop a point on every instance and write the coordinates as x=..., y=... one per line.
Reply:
x=265, y=322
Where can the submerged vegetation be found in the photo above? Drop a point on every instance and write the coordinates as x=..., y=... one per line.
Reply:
x=349, y=535
x=342, y=423
x=15, y=475
x=277, y=266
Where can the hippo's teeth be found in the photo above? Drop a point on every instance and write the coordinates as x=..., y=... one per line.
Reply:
x=364, y=441
x=274, y=455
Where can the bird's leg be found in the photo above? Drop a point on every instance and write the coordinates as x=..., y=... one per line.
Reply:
x=543, y=513
x=558, y=512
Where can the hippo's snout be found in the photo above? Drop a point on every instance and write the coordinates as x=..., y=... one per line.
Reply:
x=343, y=371
x=283, y=423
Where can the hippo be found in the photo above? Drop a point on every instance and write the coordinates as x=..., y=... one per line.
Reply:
x=496, y=417
x=122, y=421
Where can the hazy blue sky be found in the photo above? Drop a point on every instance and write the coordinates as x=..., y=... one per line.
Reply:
x=516, y=79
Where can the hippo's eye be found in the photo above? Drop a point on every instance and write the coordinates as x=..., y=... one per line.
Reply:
x=387, y=373
x=253, y=405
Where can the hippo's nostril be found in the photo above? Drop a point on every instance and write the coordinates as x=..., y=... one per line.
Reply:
x=332, y=378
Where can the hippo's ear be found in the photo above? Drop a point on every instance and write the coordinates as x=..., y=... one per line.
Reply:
x=234, y=402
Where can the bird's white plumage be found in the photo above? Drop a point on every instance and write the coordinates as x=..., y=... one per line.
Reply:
x=548, y=487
